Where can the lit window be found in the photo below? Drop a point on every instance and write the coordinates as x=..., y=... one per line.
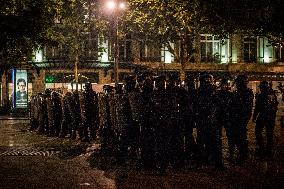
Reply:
x=166, y=55
x=210, y=48
x=103, y=50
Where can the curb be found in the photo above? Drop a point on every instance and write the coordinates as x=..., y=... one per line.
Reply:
x=14, y=118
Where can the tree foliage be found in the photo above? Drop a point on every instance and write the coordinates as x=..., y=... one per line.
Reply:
x=167, y=21
x=25, y=25
x=252, y=17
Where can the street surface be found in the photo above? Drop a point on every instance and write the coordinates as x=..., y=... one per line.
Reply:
x=29, y=160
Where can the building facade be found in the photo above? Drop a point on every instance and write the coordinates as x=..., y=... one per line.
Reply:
x=253, y=55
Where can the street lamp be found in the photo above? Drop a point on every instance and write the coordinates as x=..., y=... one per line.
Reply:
x=116, y=6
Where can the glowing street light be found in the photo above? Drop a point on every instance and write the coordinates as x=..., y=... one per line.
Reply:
x=111, y=5
x=116, y=6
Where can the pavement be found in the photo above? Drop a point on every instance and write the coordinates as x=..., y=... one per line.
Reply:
x=29, y=160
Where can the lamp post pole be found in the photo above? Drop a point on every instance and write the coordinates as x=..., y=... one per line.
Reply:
x=116, y=47
x=116, y=6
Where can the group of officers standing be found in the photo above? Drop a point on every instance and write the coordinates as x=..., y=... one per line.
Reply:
x=152, y=119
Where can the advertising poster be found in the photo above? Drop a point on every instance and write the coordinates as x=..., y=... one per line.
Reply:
x=21, y=99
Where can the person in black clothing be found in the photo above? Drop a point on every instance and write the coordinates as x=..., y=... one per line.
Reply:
x=160, y=106
x=107, y=119
x=225, y=99
x=241, y=113
x=208, y=129
x=57, y=108
x=147, y=137
x=75, y=112
x=89, y=112
x=124, y=123
x=137, y=110
x=67, y=123
x=178, y=106
x=189, y=118
x=264, y=116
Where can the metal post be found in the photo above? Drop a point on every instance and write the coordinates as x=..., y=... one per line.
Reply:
x=76, y=60
x=76, y=71
x=116, y=46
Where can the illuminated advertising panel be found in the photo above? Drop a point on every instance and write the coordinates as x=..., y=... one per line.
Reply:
x=20, y=80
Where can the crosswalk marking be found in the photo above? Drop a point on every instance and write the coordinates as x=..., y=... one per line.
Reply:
x=29, y=152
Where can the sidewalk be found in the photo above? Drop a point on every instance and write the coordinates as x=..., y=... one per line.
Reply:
x=31, y=161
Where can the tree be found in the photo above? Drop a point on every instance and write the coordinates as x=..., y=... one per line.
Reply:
x=78, y=27
x=25, y=25
x=168, y=21
x=251, y=17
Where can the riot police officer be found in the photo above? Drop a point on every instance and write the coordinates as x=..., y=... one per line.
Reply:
x=178, y=106
x=66, y=124
x=137, y=109
x=76, y=119
x=42, y=117
x=57, y=109
x=50, y=113
x=33, y=106
x=225, y=100
x=161, y=119
x=189, y=122
x=264, y=116
x=107, y=120
x=208, y=129
x=124, y=123
x=89, y=113
x=147, y=137
x=241, y=112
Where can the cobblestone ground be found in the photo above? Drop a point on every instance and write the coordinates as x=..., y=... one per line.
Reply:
x=28, y=160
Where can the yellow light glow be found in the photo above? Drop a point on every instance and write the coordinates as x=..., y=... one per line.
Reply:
x=111, y=5
x=122, y=5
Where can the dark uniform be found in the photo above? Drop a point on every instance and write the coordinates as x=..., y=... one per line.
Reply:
x=161, y=119
x=147, y=137
x=189, y=122
x=281, y=90
x=75, y=112
x=225, y=97
x=264, y=115
x=50, y=113
x=89, y=113
x=124, y=123
x=57, y=109
x=42, y=117
x=178, y=106
x=208, y=129
x=107, y=120
x=66, y=124
x=33, y=106
x=241, y=112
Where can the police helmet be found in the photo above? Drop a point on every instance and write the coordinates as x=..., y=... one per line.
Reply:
x=264, y=85
x=224, y=81
x=241, y=79
x=206, y=78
